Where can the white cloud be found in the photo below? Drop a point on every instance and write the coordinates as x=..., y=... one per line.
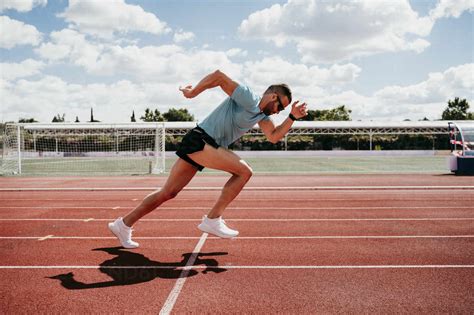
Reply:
x=424, y=99
x=158, y=71
x=314, y=85
x=325, y=31
x=363, y=107
x=236, y=52
x=28, y=67
x=392, y=103
x=451, y=8
x=440, y=86
x=165, y=63
x=182, y=36
x=104, y=18
x=21, y=5
x=33, y=99
x=173, y=63
x=17, y=33
x=49, y=95
x=51, y=51
x=71, y=46
x=149, y=76
x=279, y=70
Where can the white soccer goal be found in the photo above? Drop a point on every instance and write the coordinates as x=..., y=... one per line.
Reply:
x=83, y=148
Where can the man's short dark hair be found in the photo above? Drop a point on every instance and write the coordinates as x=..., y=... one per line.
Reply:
x=281, y=89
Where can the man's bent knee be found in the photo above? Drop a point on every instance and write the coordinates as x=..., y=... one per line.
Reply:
x=169, y=194
x=245, y=172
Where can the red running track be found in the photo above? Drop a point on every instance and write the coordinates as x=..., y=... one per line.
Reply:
x=308, y=244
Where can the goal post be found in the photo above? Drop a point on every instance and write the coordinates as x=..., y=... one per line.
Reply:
x=11, y=150
x=83, y=149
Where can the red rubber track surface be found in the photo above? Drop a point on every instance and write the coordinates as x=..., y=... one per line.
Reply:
x=307, y=244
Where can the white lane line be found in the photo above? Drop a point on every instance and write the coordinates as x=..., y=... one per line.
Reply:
x=242, y=237
x=45, y=237
x=251, y=220
x=245, y=267
x=219, y=188
x=353, y=237
x=97, y=238
x=447, y=207
x=345, y=267
x=92, y=267
x=178, y=286
x=250, y=198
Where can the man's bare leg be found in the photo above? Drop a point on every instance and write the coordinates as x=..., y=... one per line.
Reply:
x=225, y=160
x=231, y=190
x=180, y=175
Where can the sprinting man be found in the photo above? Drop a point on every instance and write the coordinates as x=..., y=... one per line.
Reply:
x=206, y=146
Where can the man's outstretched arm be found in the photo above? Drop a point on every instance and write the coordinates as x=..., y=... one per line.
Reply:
x=217, y=78
x=275, y=133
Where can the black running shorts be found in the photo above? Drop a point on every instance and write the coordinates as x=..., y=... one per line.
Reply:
x=194, y=141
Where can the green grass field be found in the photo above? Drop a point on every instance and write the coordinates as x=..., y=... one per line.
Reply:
x=260, y=165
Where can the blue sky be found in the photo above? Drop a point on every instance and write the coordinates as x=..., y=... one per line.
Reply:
x=385, y=60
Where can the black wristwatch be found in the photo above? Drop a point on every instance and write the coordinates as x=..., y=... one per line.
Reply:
x=292, y=117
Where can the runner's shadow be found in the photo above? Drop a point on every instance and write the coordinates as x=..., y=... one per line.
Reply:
x=129, y=268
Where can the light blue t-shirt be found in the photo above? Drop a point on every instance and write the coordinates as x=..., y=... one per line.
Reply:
x=234, y=116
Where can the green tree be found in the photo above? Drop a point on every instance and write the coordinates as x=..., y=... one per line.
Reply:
x=92, y=116
x=152, y=115
x=340, y=113
x=132, y=119
x=180, y=114
x=457, y=110
x=27, y=120
x=58, y=118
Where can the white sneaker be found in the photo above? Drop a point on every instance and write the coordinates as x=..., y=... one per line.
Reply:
x=123, y=233
x=217, y=227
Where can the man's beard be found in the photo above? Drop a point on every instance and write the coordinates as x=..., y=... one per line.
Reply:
x=267, y=110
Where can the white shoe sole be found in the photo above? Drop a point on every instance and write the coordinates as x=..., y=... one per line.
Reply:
x=115, y=232
x=206, y=229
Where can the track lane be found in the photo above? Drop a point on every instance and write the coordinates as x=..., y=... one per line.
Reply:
x=247, y=252
x=246, y=228
x=250, y=290
x=348, y=291
x=204, y=180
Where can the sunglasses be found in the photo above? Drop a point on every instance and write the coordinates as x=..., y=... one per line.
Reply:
x=280, y=104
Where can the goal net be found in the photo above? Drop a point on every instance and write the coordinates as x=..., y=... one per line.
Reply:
x=83, y=148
